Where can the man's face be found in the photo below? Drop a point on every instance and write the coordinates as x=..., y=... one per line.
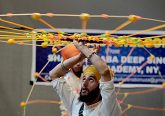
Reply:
x=89, y=89
x=78, y=67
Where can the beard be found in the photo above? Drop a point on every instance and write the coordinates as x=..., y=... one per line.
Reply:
x=77, y=73
x=91, y=96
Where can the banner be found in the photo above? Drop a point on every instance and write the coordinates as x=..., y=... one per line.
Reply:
x=132, y=65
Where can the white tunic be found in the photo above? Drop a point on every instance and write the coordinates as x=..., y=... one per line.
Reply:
x=73, y=81
x=107, y=107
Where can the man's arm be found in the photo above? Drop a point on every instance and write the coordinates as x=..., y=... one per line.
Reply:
x=101, y=66
x=62, y=68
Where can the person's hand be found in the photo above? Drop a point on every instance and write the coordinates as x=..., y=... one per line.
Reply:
x=79, y=45
x=96, y=48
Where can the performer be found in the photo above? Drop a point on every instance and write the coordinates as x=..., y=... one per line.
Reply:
x=97, y=96
x=73, y=76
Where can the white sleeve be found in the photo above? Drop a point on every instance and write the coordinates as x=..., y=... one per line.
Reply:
x=110, y=106
x=64, y=91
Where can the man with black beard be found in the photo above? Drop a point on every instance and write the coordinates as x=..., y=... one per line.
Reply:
x=90, y=96
x=97, y=96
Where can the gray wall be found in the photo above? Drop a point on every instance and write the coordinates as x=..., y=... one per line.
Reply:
x=145, y=8
x=15, y=60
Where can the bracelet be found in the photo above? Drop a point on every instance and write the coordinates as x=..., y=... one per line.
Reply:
x=64, y=68
x=90, y=56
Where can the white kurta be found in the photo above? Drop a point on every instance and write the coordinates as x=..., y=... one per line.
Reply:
x=74, y=82
x=107, y=107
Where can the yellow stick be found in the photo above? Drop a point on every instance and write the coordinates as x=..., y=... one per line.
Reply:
x=16, y=24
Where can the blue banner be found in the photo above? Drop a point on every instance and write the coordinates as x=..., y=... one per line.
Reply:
x=131, y=64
